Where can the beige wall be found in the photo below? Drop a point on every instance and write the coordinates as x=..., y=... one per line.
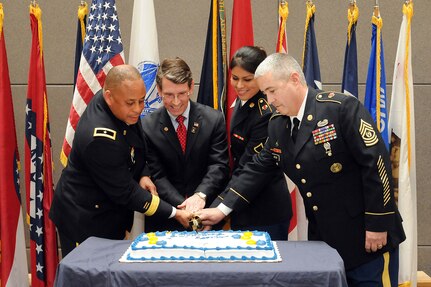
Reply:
x=182, y=28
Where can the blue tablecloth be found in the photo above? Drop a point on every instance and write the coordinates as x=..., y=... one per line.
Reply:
x=306, y=264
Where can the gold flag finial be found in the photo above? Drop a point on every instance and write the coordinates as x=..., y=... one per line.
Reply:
x=376, y=11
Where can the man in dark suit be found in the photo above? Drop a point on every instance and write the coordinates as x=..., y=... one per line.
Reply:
x=187, y=145
x=104, y=181
x=336, y=156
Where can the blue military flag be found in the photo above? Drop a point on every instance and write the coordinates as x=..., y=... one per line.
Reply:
x=310, y=57
x=375, y=92
x=349, y=85
x=212, y=83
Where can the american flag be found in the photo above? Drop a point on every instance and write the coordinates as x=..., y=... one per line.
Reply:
x=38, y=164
x=103, y=49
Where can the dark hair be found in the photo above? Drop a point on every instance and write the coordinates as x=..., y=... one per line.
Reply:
x=175, y=70
x=248, y=58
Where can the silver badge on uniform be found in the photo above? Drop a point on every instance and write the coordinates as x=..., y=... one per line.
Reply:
x=132, y=155
x=328, y=150
x=322, y=123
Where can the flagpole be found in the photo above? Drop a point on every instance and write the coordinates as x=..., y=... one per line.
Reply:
x=376, y=9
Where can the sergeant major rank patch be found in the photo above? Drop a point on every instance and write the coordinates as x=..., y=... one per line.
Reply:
x=368, y=134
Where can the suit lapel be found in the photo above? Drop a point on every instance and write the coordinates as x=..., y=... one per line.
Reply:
x=239, y=114
x=307, y=124
x=193, y=128
x=167, y=129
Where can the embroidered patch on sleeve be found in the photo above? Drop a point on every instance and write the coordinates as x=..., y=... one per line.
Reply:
x=368, y=134
x=384, y=179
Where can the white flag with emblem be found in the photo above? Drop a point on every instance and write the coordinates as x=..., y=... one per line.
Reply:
x=403, y=157
x=144, y=55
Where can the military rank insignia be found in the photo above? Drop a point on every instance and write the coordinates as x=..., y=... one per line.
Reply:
x=368, y=134
x=324, y=134
x=105, y=132
x=258, y=148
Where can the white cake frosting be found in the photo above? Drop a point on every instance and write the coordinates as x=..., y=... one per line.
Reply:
x=202, y=246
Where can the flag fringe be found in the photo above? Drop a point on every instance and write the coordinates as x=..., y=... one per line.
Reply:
x=352, y=17
x=408, y=11
x=1, y=19
x=82, y=13
x=311, y=9
x=37, y=12
x=283, y=11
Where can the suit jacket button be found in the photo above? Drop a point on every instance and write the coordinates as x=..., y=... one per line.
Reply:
x=309, y=194
x=96, y=206
x=315, y=208
x=298, y=166
x=303, y=180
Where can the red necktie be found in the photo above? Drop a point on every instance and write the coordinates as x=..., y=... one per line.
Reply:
x=182, y=132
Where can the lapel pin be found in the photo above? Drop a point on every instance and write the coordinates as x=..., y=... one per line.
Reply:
x=194, y=128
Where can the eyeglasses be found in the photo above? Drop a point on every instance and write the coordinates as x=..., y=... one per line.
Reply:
x=179, y=96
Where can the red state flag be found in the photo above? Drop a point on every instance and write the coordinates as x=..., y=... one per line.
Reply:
x=38, y=164
x=13, y=261
x=241, y=35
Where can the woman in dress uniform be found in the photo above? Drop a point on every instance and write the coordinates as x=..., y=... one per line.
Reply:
x=271, y=210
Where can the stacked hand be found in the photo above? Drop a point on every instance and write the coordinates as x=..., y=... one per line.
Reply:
x=183, y=217
x=210, y=216
x=193, y=203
